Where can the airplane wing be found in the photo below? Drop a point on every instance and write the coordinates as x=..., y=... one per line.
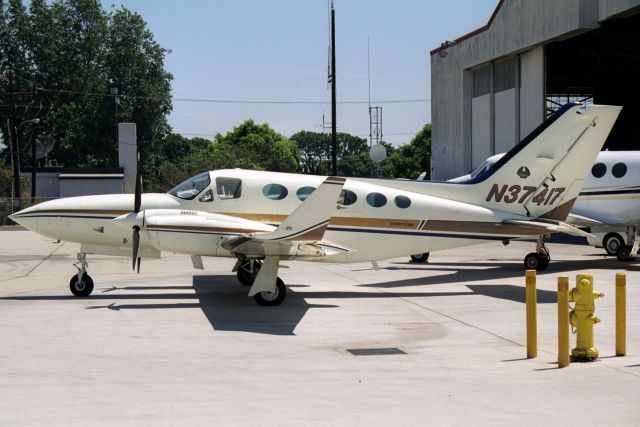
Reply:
x=301, y=233
x=550, y=226
x=299, y=236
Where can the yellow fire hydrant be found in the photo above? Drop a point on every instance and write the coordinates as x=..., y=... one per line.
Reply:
x=582, y=318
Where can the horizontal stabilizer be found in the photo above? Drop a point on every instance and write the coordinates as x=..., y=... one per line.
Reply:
x=550, y=226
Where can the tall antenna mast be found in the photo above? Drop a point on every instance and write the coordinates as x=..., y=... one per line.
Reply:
x=334, y=164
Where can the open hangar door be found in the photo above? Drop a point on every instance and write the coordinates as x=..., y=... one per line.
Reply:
x=601, y=67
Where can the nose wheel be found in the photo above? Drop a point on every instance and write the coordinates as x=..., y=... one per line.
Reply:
x=81, y=285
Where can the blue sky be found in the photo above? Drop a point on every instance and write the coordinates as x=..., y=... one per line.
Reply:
x=277, y=50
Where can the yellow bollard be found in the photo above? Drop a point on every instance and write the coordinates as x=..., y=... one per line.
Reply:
x=621, y=314
x=582, y=317
x=532, y=321
x=563, y=321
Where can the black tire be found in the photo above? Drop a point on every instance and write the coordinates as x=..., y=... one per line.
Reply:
x=532, y=261
x=272, y=298
x=612, y=242
x=83, y=288
x=544, y=262
x=420, y=258
x=244, y=274
x=624, y=253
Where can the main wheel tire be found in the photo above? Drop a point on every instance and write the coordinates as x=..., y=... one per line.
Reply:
x=81, y=288
x=612, y=242
x=420, y=258
x=624, y=253
x=544, y=262
x=274, y=298
x=245, y=276
x=532, y=261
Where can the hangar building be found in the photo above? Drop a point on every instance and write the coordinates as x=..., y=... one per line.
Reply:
x=493, y=86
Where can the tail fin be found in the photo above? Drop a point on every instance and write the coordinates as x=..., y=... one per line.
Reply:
x=543, y=175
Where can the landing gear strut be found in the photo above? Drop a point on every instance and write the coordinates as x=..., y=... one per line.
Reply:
x=81, y=284
x=627, y=252
x=248, y=270
x=538, y=260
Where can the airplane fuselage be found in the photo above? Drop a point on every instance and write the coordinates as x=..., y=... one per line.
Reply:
x=375, y=221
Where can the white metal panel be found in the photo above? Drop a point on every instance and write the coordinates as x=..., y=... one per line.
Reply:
x=480, y=128
x=531, y=90
x=505, y=120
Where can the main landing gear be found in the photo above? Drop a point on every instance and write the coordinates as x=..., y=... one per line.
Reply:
x=247, y=272
x=81, y=284
x=627, y=252
x=538, y=260
x=420, y=258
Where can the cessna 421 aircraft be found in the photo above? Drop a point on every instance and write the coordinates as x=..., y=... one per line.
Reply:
x=608, y=205
x=227, y=213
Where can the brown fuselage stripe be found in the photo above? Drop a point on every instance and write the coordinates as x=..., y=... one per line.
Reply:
x=561, y=212
x=482, y=227
x=202, y=229
x=80, y=212
x=400, y=224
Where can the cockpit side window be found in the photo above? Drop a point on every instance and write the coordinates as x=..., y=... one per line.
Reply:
x=228, y=188
x=190, y=188
x=207, y=196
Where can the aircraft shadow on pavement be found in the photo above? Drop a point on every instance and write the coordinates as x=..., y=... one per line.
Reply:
x=496, y=270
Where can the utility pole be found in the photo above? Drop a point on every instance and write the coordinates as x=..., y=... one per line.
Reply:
x=334, y=150
x=13, y=137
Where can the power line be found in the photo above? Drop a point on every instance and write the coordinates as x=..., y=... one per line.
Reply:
x=239, y=101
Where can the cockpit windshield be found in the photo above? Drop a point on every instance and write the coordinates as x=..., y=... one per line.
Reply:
x=190, y=188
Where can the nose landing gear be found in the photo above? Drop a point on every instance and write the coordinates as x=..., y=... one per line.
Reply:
x=81, y=284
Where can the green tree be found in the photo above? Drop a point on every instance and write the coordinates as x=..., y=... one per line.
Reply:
x=67, y=55
x=315, y=153
x=253, y=146
x=410, y=160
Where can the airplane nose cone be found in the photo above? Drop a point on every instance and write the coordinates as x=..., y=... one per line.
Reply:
x=24, y=219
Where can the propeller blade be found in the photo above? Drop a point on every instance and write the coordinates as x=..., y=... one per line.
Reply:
x=139, y=265
x=138, y=196
x=136, y=245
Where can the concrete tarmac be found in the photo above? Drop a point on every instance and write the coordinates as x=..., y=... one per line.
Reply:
x=174, y=346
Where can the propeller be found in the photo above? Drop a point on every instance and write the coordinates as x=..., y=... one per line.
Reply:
x=137, y=202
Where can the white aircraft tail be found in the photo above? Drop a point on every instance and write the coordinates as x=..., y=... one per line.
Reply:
x=543, y=174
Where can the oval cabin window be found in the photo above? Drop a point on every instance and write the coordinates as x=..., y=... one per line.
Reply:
x=619, y=170
x=304, y=192
x=376, y=200
x=598, y=170
x=402, y=202
x=347, y=197
x=275, y=191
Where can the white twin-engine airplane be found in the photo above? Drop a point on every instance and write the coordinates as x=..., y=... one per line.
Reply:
x=228, y=213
